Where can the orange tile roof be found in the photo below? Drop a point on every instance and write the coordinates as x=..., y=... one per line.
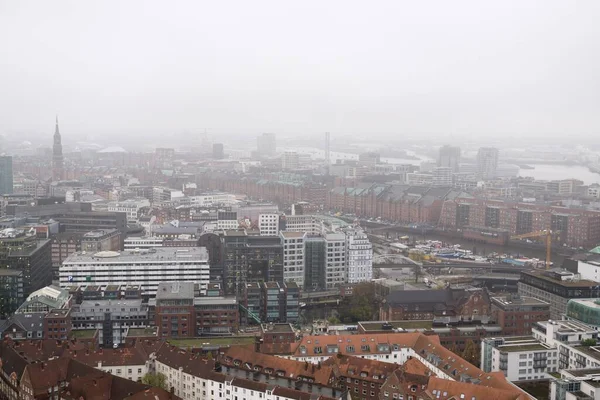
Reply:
x=309, y=343
x=244, y=358
x=461, y=390
x=368, y=370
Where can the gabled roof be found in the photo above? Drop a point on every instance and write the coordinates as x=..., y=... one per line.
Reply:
x=247, y=359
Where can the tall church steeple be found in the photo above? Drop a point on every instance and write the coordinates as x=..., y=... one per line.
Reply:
x=57, y=156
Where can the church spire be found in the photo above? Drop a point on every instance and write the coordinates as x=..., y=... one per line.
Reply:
x=56, y=131
x=57, y=156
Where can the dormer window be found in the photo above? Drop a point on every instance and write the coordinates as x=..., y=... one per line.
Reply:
x=318, y=350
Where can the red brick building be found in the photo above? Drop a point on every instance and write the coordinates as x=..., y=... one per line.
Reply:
x=517, y=314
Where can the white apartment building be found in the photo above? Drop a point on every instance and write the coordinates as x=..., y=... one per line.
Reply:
x=213, y=199
x=293, y=256
x=310, y=224
x=576, y=384
x=553, y=346
x=145, y=242
x=163, y=194
x=268, y=224
x=335, y=260
x=146, y=268
x=130, y=207
x=359, y=256
x=519, y=358
x=226, y=224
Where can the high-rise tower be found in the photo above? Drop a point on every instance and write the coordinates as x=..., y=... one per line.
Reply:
x=57, y=156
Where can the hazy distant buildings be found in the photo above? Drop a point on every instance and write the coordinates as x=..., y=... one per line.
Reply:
x=487, y=162
x=266, y=144
x=218, y=152
x=57, y=156
x=6, y=175
x=290, y=160
x=442, y=176
x=449, y=157
x=371, y=158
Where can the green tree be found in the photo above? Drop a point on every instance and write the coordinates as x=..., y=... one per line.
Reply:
x=588, y=342
x=361, y=306
x=158, y=379
x=471, y=353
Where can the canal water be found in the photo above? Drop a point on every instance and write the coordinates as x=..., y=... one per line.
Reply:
x=482, y=249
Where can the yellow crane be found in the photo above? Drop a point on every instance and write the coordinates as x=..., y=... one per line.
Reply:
x=548, y=236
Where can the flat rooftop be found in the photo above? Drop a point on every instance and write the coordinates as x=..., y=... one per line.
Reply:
x=216, y=301
x=278, y=328
x=99, y=233
x=175, y=290
x=83, y=334
x=519, y=300
x=566, y=326
x=555, y=279
x=592, y=351
x=292, y=234
x=523, y=347
x=160, y=254
x=377, y=326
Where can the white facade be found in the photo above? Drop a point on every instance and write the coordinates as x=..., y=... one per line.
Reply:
x=335, y=260
x=290, y=160
x=519, y=358
x=132, y=372
x=419, y=178
x=268, y=224
x=146, y=268
x=304, y=223
x=553, y=346
x=589, y=270
x=359, y=256
x=442, y=176
x=130, y=207
x=213, y=199
x=293, y=257
x=228, y=224
x=132, y=243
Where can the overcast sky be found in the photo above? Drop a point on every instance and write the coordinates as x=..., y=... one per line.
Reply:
x=378, y=67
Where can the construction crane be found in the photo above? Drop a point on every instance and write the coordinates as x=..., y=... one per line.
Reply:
x=547, y=234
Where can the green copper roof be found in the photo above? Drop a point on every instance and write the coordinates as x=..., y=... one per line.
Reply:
x=595, y=250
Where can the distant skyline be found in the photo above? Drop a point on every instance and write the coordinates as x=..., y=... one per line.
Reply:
x=147, y=69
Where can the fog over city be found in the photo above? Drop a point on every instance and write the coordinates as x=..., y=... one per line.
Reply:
x=116, y=72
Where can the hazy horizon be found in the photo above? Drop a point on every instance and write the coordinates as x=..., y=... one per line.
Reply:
x=146, y=69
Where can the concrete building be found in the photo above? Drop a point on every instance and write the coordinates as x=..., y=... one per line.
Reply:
x=218, y=152
x=556, y=287
x=487, y=163
x=575, y=384
x=594, y=191
x=6, y=175
x=24, y=252
x=359, y=256
x=335, y=260
x=442, y=176
x=227, y=220
x=552, y=347
x=268, y=224
x=293, y=256
x=134, y=242
x=290, y=160
x=267, y=144
x=144, y=268
x=165, y=195
x=44, y=300
x=101, y=240
x=131, y=207
x=419, y=178
x=449, y=157
x=521, y=358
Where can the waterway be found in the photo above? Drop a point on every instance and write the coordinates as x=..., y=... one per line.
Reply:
x=552, y=171
x=482, y=249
